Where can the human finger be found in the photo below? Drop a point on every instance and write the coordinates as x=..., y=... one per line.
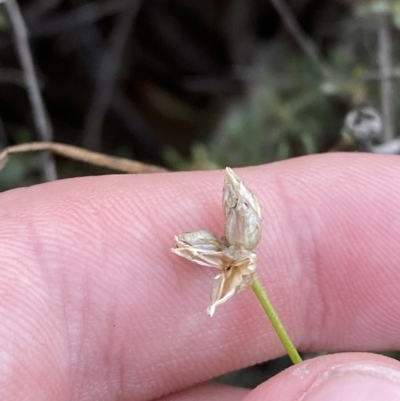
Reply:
x=344, y=376
x=89, y=261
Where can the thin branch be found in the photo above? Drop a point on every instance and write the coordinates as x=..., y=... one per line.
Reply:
x=377, y=76
x=385, y=68
x=292, y=25
x=42, y=124
x=123, y=109
x=91, y=51
x=107, y=76
x=83, y=155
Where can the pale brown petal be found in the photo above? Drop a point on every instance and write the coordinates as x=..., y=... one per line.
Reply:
x=242, y=212
x=221, y=291
x=204, y=258
x=235, y=277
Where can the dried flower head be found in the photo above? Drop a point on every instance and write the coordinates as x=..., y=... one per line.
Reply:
x=242, y=213
x=234, y=254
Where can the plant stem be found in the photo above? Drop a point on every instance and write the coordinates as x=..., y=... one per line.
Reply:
x=275, y=321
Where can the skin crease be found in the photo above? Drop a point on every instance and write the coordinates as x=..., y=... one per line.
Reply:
x=94, y=306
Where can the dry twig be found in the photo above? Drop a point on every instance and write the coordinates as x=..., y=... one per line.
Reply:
x=90, y=52
x=83, y=155
x=386, y=72
x=42, y=124
x=374, y=76
x=107, y=76
x=292, y=25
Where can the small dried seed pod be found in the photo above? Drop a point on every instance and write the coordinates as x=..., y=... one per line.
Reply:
x=201, y=247
x=199, y=240
x=233, y=254
x=242, y=211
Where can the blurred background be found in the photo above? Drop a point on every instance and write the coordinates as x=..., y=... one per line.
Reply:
x=194, y=85
x=190, y=85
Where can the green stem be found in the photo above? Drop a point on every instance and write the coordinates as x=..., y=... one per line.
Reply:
x=275, y=321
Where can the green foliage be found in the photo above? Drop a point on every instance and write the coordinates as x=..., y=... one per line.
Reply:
x=287, y=113
x=199, y=159
x=290, y=110
x=373, y=7
x=20, y=170
x=4, y=25
x=271, y=124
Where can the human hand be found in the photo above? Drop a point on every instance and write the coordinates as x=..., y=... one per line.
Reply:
x=94, y=306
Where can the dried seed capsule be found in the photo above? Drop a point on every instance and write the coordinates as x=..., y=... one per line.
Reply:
x=199, y=240
x=201, y=247
x=242, y=212
x=233, y=255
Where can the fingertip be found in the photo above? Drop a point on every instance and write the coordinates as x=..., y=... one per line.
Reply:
x=345, y=376
x=208, y=391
